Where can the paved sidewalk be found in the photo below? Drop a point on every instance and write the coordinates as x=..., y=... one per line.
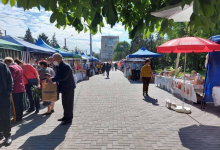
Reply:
x=112, y=114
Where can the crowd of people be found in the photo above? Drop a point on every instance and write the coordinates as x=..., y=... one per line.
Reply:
x=17, y=77
x=99, y=68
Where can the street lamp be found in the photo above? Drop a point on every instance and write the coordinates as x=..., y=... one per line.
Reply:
x=65, y=40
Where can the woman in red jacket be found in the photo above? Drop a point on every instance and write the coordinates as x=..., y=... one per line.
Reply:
x=18, y=87
x=30, y=73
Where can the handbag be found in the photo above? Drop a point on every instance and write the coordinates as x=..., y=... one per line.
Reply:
x=32, y=81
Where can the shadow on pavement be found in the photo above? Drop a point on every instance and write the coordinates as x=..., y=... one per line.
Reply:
x=28, y=124
x=107, y=78
x=135, y=82
x=200, y=137
x=49, y=141
x=151, y=100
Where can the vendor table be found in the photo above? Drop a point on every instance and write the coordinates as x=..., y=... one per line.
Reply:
x=190, y=89
x=216, y=95
x=127, y=72
x=79, y=76
x=163, y=82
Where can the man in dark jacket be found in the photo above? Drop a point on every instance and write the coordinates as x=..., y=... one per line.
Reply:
x=6, y=85
x=107, y=68
x=66, y=86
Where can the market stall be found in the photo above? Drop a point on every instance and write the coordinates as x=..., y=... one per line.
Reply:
x=127, y=64
x=10, y=49
x=185, y=45
x=30, y=49
x=143, y=53
x=163, y=82
x=41, y=43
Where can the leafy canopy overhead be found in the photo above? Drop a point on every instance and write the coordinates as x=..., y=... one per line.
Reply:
x=134, y=14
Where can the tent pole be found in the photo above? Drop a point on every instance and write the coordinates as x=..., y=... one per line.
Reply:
x=184, y=80
x=177, y=63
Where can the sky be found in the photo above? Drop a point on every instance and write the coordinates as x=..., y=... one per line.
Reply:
x=16, y=21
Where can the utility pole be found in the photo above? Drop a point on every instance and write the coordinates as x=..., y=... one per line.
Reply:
x=5, y=32
x=90, y=43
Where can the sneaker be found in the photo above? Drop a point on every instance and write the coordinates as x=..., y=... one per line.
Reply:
x=52, y=111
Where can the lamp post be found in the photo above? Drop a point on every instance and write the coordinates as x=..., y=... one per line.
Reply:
x=65, y=40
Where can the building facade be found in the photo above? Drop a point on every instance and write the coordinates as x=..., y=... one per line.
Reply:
x=108, y=44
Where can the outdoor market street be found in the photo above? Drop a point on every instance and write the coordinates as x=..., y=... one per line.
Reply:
x=112, y=114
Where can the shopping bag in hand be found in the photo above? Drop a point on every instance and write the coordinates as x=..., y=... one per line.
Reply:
x=49, y=92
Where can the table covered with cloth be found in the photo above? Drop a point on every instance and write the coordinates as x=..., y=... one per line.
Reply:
x=190, y=90
x=216, y=95
x=79, y=76
x=163, y=82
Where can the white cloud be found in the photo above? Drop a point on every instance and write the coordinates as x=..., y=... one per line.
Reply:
x=16, y=21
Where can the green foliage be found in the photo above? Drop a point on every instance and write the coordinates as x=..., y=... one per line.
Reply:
x=28, y=36
x=44, y=37
x=135, y=15
x=36, y=91
x=121, y=50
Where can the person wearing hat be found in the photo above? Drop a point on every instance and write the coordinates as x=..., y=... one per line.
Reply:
x=146, y=74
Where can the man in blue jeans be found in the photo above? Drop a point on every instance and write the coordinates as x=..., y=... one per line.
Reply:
x=6, y=85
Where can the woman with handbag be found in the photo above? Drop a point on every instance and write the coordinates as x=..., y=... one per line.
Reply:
x=31, y=78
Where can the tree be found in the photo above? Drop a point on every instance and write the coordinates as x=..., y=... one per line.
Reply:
x=95, y=55
x=28, y=36
x=44, y=37
x=121, y=50
x=135, y=15
x=53, y=41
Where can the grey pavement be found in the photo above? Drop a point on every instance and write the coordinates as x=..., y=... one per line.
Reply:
x=113, y=114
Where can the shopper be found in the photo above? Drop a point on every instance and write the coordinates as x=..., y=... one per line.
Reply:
x=133, y=69
x=18, y=87
x=146, y=74
x=116, y=67
x=6, y=84
x=103, y=69
x=64, y=77
x=108, y=68
x=87, y=71
x=31, y=78
x=138, y=70
x=46, y=71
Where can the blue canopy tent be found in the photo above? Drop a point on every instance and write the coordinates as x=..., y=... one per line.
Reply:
x=213, y=71
x=28, y=46
x=143, y=52
x=86, y=57
x=93, y=58
x=41, y=43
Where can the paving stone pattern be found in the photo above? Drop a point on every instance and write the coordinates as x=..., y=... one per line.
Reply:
x=112, y=114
